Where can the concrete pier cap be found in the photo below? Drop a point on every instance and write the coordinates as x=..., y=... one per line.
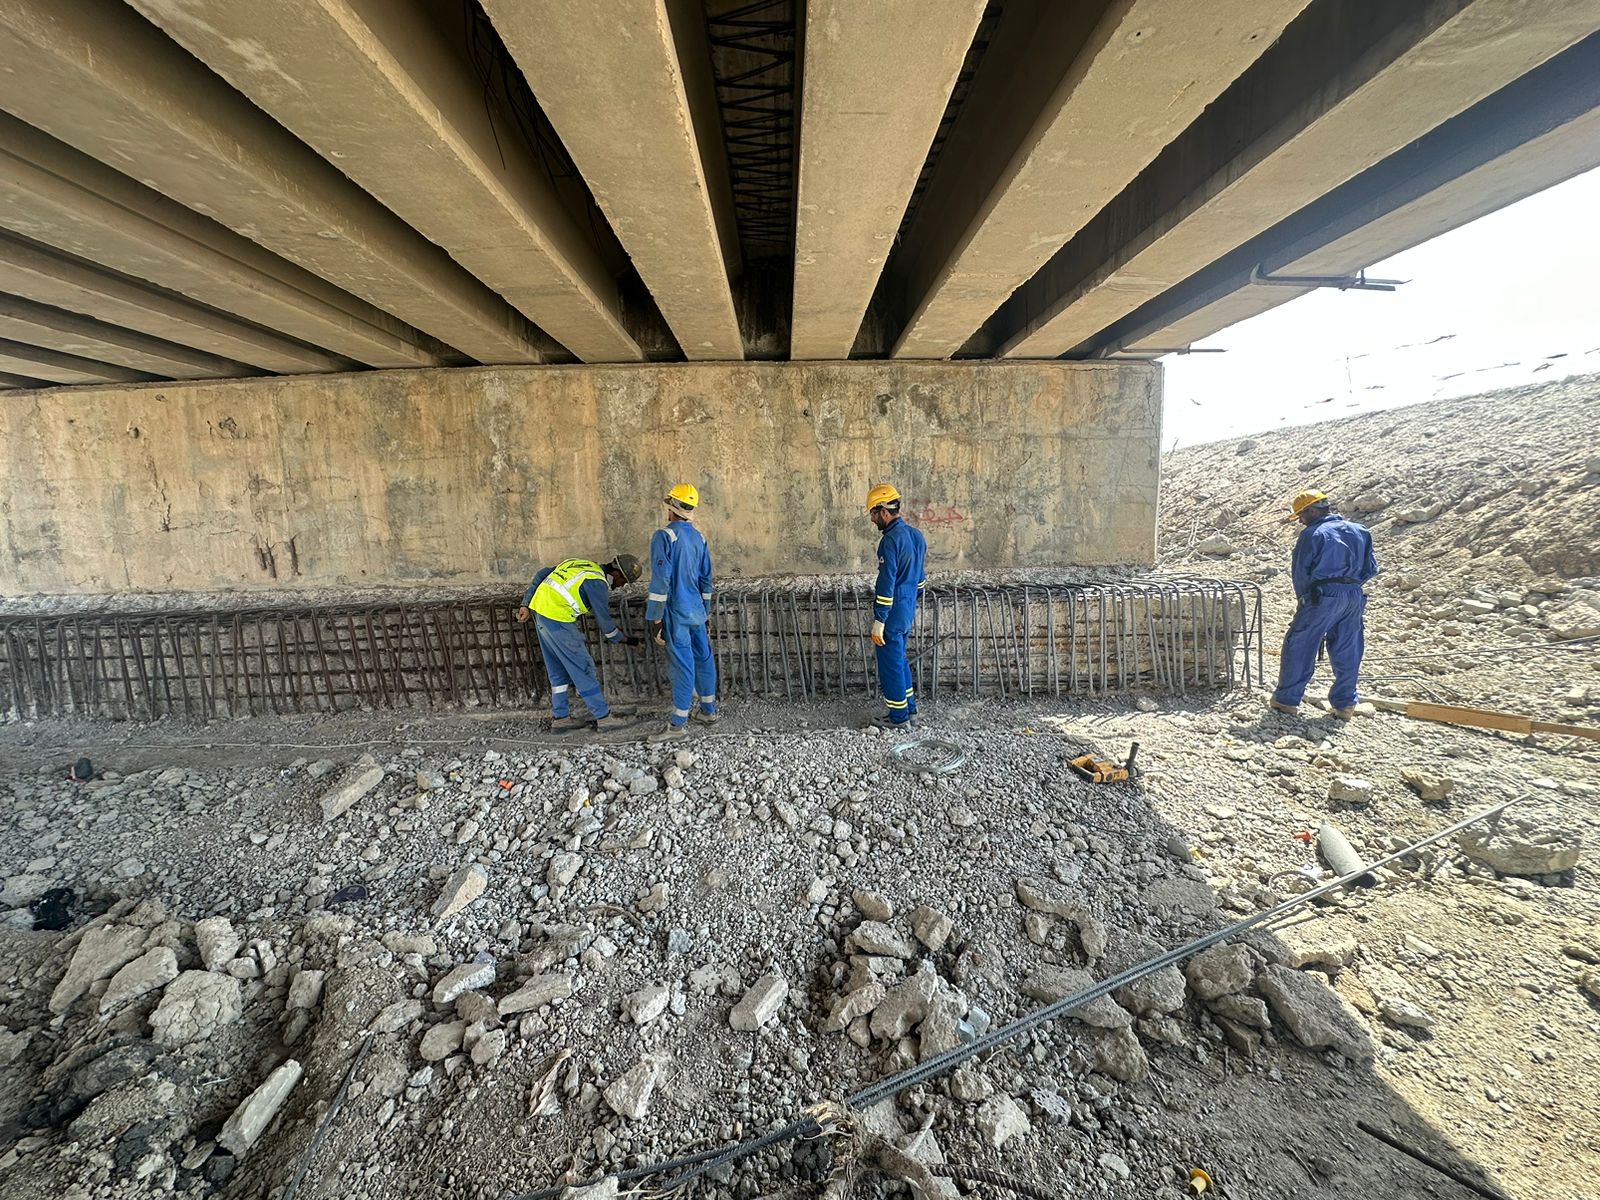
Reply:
x=474, y=477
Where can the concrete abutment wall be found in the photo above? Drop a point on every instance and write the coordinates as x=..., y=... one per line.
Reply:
x=474, y=477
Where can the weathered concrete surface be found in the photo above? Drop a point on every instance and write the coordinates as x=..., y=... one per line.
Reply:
x=56, y=195
x=616, y=84
x=1434, y=62
x=58, y=329
x=865, y=134
x=373, y=87
x=45, y=277
x=1146, y=71
x=97, y=75
x=478, y=476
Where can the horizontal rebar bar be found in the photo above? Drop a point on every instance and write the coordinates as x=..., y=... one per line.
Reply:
x=788, y=642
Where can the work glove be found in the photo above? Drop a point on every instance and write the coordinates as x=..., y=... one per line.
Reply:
x=522, y=614
x=658, y=629
x=877, y=633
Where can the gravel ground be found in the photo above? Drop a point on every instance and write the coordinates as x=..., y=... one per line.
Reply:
x=648, y=905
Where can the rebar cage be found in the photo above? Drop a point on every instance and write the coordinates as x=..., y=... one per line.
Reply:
x=781, y=642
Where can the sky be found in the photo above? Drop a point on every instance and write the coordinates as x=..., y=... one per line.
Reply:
x=1492, y=304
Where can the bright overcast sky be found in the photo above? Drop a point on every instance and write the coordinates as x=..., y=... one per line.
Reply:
x=1488, y=305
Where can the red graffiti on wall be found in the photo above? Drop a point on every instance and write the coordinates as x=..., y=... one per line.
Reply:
x=930, y=512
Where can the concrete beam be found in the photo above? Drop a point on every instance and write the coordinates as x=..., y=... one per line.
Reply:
x=8, y=380
x=372, y=86
x=60, y=330
x=53, y=366
x=45, y=277
x=1540, y=131
x=51, y=193
x=100, y=77
x=1139, y=77
x=1398, y=71
x=614, y=80
x=864, y=134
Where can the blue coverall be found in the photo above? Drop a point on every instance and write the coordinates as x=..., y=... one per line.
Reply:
x=566, y=655
x=902, y=554
x=680, y=592
x=1332, y=559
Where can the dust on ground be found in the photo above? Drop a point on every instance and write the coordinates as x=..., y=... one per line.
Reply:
x=780, y=870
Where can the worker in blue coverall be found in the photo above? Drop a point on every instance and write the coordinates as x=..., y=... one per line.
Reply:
x=556, y=598
x=679, y=611
x=1332, y=559
x=902, y=554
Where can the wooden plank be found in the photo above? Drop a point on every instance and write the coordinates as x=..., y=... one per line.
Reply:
x=1479, y=717
x=1583, y=731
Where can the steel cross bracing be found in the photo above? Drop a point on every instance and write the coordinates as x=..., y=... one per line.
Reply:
x=783, y=642
x=753, y=65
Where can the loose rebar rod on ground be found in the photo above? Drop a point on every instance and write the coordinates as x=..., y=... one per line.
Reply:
x=810, y=1126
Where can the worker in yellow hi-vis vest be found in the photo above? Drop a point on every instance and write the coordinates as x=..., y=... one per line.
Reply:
x=556, y=598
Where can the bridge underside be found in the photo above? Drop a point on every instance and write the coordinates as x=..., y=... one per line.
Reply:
x=372, y=191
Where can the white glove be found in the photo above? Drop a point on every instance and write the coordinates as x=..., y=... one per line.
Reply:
x=877, y=633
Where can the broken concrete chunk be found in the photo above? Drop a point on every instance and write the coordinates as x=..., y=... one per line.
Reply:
x=872, y=905
x=563, y=869
x=306, y=989
x=102, y=952
x=760, y=1004
x=536, y=993
x=217, y=942
x=360, y=779
x=1350, y=789
x=904, y=1006
x=647, y=1003
x=1220, y=971
x=629, y=1096
x=1246, y=1010
x=1522, y=845
x=1316, y=1014
x=931, y=926
x=859, y=1003
x=250, y=1120
x=152, y=970
x=1315, y=943
x=1153, y=995
x=1000, y=1119
x=465, y=886
x=969, y=1084
x=489, y=1047
x=195, y=1005
x=1428, y=784
x=874, y=937
x=1051, y=983
x=468, y=977
x=395, y=1017
x=1117, y=1053
x=442, y=1040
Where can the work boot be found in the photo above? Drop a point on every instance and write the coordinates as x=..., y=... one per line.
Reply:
x=704, y=717
x=1292, y=709
x=669, y=733
x=610, y=723
x=1344, y=714
x=885, y=721
x=564, y=724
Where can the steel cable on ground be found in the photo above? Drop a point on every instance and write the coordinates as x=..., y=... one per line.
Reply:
x=809, y=1125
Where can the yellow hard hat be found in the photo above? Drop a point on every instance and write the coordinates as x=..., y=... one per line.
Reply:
x=882, y=493
x=1305, y=500
x=684, y=496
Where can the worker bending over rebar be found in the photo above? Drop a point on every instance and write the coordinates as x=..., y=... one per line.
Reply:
x=556, y=598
